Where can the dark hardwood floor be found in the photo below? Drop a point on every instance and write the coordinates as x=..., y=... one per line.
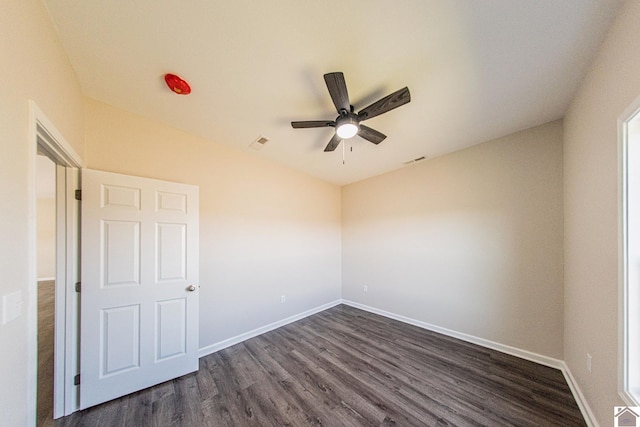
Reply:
x=347, y=367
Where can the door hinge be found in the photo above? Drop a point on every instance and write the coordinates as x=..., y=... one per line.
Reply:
x=76, y=380
x=77, y=286
x=78, y=194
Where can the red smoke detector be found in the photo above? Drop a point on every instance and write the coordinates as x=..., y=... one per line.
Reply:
x=177, y=84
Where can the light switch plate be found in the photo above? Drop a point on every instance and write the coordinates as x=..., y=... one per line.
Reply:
x=11, y=306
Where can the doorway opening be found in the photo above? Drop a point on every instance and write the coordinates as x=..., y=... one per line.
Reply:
x=46, y=257
x=57, y=261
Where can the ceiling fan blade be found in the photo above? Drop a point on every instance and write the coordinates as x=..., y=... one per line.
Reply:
x=389, y=102
x=312, y=124
x=333, y=144
x=338, y=91
x=371, y=135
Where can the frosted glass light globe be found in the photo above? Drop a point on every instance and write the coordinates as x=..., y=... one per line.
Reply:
x=347, y=130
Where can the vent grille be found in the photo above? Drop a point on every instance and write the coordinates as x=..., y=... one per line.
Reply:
x=416, y=160
x=259, y=143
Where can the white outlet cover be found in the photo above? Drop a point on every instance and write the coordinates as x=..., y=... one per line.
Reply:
x=11, y=306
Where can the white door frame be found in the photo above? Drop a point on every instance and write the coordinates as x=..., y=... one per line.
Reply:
x=44, y=137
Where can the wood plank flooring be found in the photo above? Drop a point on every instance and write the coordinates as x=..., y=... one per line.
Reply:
x=347, y=367
x=46, y=310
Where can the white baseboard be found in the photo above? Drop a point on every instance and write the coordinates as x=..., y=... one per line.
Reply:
x=589, y=418
x=45, y=279
x=204, y=351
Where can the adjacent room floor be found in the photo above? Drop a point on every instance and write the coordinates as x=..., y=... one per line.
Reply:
x=46, y=312
x=345, y=367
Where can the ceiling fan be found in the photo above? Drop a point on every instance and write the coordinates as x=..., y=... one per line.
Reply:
x=348, y=124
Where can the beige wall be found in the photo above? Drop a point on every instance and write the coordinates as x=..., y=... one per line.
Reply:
x=33, y=67
x=591, y=212
x=265, y=230
x=46, y=238
x=470, y=241
x=46, y=217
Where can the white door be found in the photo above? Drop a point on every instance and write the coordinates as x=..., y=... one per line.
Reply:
x=139, y=295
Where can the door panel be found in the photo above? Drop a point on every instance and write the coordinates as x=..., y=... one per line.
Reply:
x=172, y=255
x=139, y=317
x=171, y=328
x=120, y=343
x=168, y=202
x=120, y=197
x=120, y=253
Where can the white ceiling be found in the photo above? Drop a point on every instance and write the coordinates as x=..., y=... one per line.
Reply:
x=476, y=69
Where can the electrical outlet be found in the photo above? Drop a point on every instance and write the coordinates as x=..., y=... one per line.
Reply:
x=365, y=288
x=588, y=362
x=283, y=299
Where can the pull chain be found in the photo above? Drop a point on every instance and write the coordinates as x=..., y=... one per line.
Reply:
x=344, y=143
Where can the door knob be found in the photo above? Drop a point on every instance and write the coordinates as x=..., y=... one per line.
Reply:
x=191, y=288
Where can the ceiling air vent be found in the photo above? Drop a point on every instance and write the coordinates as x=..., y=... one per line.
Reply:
x=258, y=143
x=416, y=160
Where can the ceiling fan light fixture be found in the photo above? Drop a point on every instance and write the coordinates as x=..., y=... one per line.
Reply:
x=347, y=124
x=347, y=128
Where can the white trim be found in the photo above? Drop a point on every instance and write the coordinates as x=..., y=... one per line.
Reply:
x=32, y=302
x=44, y=133
x=204, y=351
x=622, y=249
x=581, y=401
x=622, y=138
x=72, y=303
x=59, y=335
x=46, y=279
x=43, y=136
